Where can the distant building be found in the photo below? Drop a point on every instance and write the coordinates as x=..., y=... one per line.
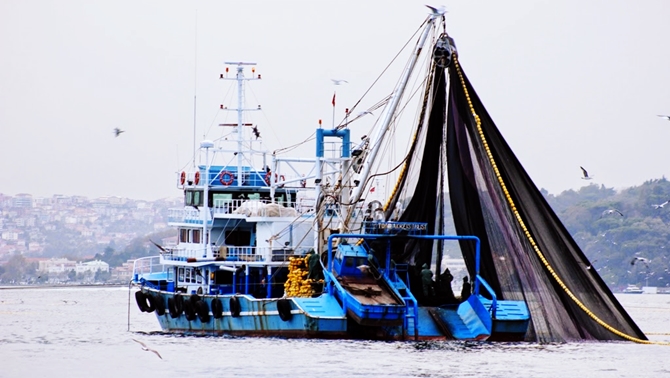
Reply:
x=124, y=272
x=92, y=266
x=23, y=201
x=56, y=265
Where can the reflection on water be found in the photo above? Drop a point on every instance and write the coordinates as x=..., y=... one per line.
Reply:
x=69, y=332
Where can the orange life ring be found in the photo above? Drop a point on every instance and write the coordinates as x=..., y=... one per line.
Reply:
x=268, y=176
x=226, y=178
x=197, y=177
x=182, y=177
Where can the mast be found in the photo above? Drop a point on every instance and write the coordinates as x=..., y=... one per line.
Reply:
x=240, y=78
x=389, y=116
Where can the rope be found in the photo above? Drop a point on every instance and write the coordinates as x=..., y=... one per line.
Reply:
x=529, y=237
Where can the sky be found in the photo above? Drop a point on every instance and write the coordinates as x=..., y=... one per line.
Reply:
x=568, y=83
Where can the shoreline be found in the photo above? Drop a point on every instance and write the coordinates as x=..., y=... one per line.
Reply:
x=21, y=287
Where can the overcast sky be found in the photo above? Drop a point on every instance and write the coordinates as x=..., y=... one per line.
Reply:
x=568, y=83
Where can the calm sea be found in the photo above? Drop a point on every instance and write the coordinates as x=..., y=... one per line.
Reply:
x=83, y=332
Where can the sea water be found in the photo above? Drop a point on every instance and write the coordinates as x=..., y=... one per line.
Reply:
x=88, y=332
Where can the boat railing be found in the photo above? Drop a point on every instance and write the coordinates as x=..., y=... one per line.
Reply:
x=494, y=300
x=145, y=266
x=185, y=215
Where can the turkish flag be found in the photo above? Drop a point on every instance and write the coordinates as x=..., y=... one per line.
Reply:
x=333, y=99
x=372, y=189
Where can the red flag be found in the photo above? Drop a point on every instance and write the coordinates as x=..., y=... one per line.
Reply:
x=333, y=99
x=372, y=189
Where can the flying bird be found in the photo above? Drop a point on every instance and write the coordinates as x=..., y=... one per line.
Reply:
x=664, y=116
x=118, y=131
x=585, y=174
x=441, y=10
x=256, y=132
x=611, y=211
x=660, y=206
x=146, y=348
x=636, y=259
x=339, y=81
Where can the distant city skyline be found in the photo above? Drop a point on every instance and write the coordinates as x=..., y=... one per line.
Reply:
x=568, y=84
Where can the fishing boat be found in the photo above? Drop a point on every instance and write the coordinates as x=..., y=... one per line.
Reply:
x=272, y=245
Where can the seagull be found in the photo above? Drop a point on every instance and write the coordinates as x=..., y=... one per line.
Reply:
x=256, y=132
x=586, y=174
x=611, y=211
x=118, y=131
x=438, y=11
x=159, y=246
x=590, y=266
x=664, y=116
x=636, y=259
x=145, y=348
x=339, y=81
x=660, y=206
x=363, y=268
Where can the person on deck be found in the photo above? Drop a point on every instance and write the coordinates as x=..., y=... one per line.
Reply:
x=315, y=271
x=427, y=281
x=445, y=289
x=467, y=288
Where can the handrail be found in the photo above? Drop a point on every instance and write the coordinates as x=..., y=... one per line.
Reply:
x=494, y=300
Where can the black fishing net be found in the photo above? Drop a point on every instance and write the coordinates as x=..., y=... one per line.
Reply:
x=509, y=262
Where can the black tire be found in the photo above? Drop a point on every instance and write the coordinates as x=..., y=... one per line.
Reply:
x=217, y=308
x=141, y=301
x=176, y=305
x=194, y=299
x=159, y=304
x=202, y=310
x=189, y=311
x=149, y=302
x=235, y=307
x=284, y=309
x=172, y=307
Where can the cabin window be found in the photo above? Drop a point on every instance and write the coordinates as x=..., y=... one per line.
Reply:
x=238, y=238
x=254, y=196
x=349, y=262
x=183, y=235
x=197, y=198
x=198, y=276
x=181, y=275
x=196, y=236
x=188, y=276
x=193, y=198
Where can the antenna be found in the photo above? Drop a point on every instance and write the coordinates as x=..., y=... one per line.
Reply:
x=195, y=83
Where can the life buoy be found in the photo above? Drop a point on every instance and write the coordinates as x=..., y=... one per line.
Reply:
x=182, y=177
x=226, y=178
x=141, y=301
x=202, y=310
x=217, y=308
x=268, y=177
x=284, y=309
x=159, y=304
x=175, y=306
x=235, y=307
x=196, y=180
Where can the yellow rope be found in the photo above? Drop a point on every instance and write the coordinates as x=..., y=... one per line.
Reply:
x=527, y=232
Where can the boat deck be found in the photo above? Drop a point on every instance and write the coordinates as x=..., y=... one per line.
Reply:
x=369, y=291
